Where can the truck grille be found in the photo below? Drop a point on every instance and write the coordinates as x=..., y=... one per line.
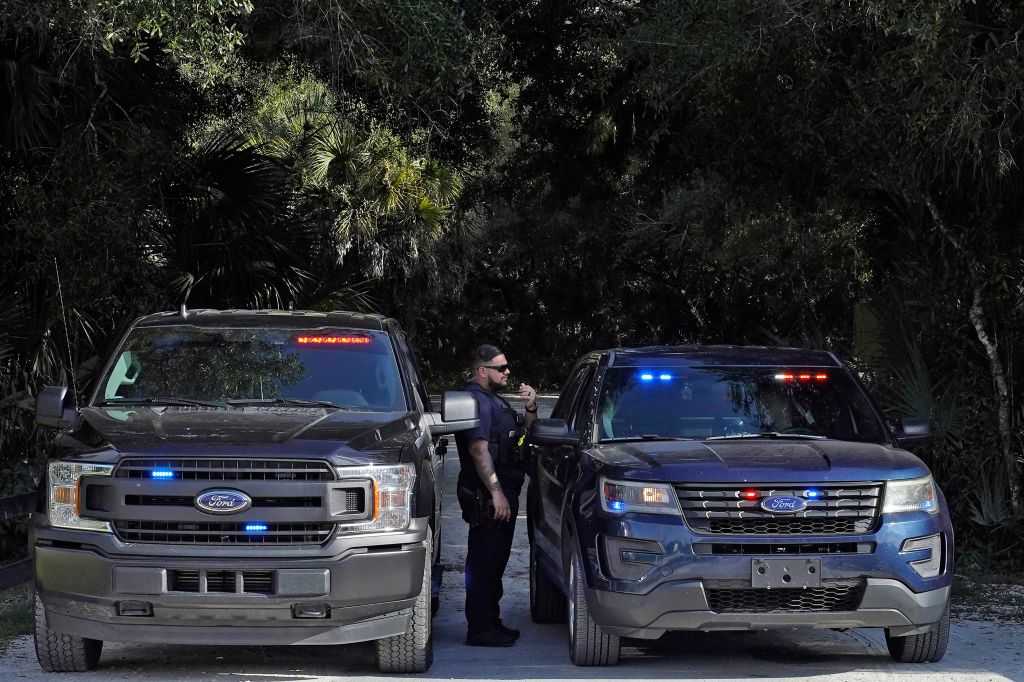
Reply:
x=833, y=595
x=227, y=469
x=290, y=502
x=200, y=581
x=208, y=533
x=720, y=509
x=353, y=501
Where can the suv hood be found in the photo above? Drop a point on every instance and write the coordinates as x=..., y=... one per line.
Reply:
x=363, y=437
x=756, y=460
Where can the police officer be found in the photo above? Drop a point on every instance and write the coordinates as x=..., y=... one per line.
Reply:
x=490, y=479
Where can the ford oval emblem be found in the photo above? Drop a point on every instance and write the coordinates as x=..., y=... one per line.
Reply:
x=222, y=501
x=783, y=504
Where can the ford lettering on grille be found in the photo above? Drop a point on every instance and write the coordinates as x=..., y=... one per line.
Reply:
x=222, y=501
x=783, y=504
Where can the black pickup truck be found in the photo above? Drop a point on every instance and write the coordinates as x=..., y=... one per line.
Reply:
x=244, y=477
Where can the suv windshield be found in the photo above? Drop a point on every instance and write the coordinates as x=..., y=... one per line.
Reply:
x=734, y=402
x=353, y=369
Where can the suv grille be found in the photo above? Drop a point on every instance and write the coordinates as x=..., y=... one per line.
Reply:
x=842, y=509
x=833, y=595
x=208, y=533
x=227, y=469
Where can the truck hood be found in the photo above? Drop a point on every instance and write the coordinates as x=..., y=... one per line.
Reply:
x=342, y=436
x=755, y=460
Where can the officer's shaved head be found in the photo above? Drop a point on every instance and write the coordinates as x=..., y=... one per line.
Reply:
x=483, y=354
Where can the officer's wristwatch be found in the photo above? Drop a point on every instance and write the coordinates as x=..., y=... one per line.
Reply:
x=534, y=410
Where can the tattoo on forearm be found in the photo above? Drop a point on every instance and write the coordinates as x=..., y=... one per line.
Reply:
x=484, y=466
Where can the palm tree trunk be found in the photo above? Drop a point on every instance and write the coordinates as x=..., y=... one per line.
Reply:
x=977, y=316
x=1003, y=395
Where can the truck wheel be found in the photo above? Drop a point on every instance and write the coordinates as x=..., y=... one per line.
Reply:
x=929, y=647
x=61, y=653
x=412, y=652
x=547, y=603
x=588, y=645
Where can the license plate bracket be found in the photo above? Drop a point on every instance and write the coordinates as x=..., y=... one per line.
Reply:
x=785, y=573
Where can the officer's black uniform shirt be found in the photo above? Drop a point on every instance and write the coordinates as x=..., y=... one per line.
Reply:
x=498, y=426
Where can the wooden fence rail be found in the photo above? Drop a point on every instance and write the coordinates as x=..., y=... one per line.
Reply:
x=11, y=508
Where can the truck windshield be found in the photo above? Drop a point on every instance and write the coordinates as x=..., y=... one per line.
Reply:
x=734, y=402
x=353, y=369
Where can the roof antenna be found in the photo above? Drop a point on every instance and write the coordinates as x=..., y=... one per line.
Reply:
x=184, y=311
x=291, y=306
x=67, y=334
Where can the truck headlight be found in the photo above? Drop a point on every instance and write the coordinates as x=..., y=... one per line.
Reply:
x=619, y=497
x=391, y=497
x=915, y=494
x=64, y=482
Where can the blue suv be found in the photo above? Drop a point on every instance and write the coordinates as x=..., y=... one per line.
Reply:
x=727, y=488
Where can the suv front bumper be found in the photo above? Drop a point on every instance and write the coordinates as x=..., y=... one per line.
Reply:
x=683, y=605
x=365, y=586
x=673, y=593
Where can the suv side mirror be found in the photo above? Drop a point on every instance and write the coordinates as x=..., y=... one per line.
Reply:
x=459, y=412
x=50, y=410
x=552, y=432
x=915, y=432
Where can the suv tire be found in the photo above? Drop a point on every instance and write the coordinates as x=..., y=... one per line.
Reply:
x=62, y=653
x=588, y=645
x=412, y=652
x=928, y=647
x=547, y=603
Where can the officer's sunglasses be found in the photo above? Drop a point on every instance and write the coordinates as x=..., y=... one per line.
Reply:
x=497, y=368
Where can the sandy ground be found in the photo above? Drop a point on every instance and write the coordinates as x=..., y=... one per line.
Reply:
x=978, y=649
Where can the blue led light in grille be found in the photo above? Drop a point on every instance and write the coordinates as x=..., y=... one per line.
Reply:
x=255, y=527
x=161, y=473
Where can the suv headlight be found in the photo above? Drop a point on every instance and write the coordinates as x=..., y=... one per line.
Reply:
x=64, y=482
x=619, y=497
x=391, y=497
x=915, y=494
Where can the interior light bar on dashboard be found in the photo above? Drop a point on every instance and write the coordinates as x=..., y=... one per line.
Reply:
x=333, y=340
x=803, y=376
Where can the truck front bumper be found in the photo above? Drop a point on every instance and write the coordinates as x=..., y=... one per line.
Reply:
x=353, y=589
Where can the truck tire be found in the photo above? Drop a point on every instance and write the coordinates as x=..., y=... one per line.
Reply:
x=929, y=647
x=547, y=603
x=62, y=653
x=412, y=652
x=588, y=644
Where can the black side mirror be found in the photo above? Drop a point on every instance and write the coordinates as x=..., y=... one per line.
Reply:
x=915, y=432
x=50, y=410
x=552, y=432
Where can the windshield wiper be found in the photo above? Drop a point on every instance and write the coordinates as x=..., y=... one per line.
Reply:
x=645, y=436
x=296, y=402
x=158, y=401
x=768, y=434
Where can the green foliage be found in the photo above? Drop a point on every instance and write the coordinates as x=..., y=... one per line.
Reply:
x=15, y=613
x=553, y=177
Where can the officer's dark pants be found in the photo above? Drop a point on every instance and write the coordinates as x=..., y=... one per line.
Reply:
x=489, y=547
